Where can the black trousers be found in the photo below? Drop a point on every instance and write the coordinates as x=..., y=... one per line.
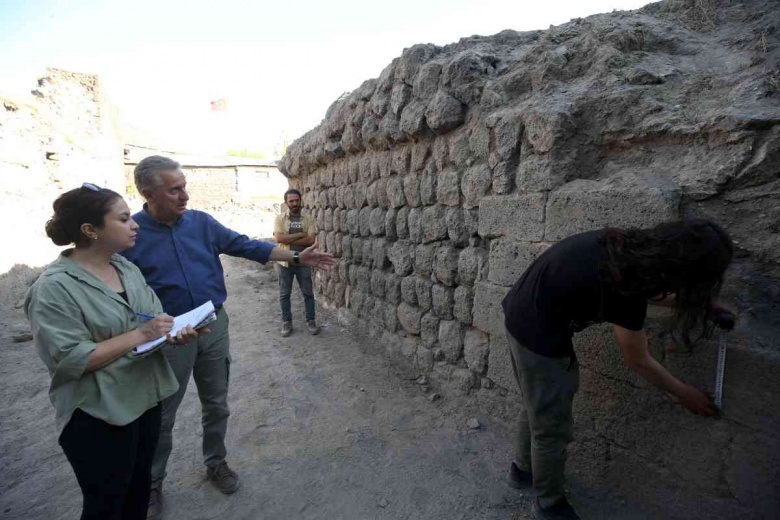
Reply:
x=113, y=464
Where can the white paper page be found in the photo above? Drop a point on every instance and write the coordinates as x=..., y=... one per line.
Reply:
x=192, y=318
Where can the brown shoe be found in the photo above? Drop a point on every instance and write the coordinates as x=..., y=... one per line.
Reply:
x=154, y=511
x=223, y=478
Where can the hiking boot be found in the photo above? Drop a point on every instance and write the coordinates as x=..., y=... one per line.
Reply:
x=518, y=478
x=154, y=511
x=223, y=478
x=286, y=329
x=561, y=510
x=314, y=329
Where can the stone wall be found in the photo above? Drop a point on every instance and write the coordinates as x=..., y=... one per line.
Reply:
x=436, y=184
x=65, y=133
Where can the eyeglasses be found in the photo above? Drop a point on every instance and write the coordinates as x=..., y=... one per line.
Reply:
x=90, y=186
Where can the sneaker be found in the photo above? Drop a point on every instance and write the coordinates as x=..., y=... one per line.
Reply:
x=223, y=478
x=154, y=511
x=286, y=329
x=561, y=510
x=314, y=329
x=518, y=478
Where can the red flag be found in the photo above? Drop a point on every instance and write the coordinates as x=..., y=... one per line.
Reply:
x=219, y=104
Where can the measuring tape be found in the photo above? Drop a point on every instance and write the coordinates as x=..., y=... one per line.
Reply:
x=721, y=368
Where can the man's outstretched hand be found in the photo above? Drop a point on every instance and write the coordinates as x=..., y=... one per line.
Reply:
x=314, y=258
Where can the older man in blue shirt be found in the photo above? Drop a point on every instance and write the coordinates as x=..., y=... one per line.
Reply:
x=178, y=252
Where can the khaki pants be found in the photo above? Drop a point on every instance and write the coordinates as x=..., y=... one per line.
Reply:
x=207, y=358
x=547, y=386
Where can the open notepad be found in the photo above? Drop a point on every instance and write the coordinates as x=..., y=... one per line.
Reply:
x=196, y=318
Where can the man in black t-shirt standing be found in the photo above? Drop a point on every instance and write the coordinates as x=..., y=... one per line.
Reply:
x=594, y=277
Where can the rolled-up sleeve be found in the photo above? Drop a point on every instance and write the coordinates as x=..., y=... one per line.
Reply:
x=62, y=339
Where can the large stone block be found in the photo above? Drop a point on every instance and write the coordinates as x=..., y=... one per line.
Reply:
x=395, y=192
x=337, y=220
x=413, y=118
x=423, y=259
x=518, y=217
x=442, y=297
x=377, y=222
x=582, y=205
x=488, y=316
x=434, y=223
x=499, y=368
x=426, y=82
x=420, y=154
x=451, y=340
x=476, y=346
x=472, y=265
x=381, y=194
x=411, y=185
x=390, y=315
x=448, y=187
x=409, y=289
x=509, y=259
x=429, y=329
x=346, y=247
x=390, y=222
x=402, y=223
x=444, y=113
x=409, y=317
x=379, y=259
x=475, y=184
x=368, y=253
x=371, y=196
x=423, y=293
x=428, y=185
x=401, y=254
x=364, y=221
x=464, y=301
x=378, y=283
x=461, y=225
x=360, y=194
x=327, y=220
x=357, y=249
x=393, y=288
x=353, y=224
x=415, y=225
x=446, y=265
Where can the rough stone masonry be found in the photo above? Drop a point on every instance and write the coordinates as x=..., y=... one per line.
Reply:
x=437, y=183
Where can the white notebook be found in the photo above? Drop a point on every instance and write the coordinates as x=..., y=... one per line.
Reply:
x=195, y=318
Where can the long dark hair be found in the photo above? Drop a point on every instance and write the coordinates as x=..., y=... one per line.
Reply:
x=686, y=258
x=76, y=207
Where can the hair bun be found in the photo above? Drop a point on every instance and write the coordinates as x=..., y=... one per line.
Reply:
x=57, y=233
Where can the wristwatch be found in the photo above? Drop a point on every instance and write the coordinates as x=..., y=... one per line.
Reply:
x=296, y=257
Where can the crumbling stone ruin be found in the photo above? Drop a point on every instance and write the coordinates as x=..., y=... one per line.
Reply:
x=64, y=133
x=437, y=184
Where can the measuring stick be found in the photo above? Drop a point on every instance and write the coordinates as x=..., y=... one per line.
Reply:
x=721, y=369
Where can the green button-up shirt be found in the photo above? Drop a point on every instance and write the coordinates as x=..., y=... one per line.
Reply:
x=70, y=311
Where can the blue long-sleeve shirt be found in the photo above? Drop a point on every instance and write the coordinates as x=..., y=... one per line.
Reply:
x=181, y=262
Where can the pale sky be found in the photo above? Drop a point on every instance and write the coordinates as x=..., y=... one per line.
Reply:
x=279, y=64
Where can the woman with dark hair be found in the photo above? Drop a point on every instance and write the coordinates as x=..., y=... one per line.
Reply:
x=602, y=276
x=84, y=311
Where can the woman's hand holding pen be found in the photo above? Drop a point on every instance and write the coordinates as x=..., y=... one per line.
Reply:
x=162, y=324
x=156, y=327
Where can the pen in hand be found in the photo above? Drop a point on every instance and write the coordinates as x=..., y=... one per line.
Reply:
x=144, y=316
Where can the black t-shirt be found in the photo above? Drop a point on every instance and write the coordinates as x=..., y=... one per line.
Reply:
x=563, y=292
